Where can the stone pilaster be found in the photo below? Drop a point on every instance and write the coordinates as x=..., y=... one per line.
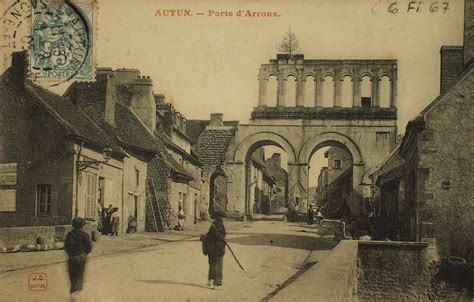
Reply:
x=281, y=91
x=356, y=86
x=262, y=97
x=300, y=84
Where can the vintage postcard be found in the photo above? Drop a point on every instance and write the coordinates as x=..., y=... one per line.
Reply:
x=248, y=150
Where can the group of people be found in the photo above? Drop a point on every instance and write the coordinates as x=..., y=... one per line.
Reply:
x=314, y=215
x=78, y=244
x=109, y=220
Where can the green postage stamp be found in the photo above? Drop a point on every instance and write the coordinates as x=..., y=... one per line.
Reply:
x=62, y=41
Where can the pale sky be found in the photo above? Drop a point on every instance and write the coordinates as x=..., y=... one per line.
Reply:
x=210, y=64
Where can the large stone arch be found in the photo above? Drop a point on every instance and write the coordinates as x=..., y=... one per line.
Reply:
x=261, y=139
x=326, y=138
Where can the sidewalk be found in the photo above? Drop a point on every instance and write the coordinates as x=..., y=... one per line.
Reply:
x=107, y=245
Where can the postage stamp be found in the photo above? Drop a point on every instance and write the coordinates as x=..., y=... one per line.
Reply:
x=62, y=39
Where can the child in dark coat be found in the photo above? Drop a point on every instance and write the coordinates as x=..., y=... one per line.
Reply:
x=77, y=245
x=216, y=249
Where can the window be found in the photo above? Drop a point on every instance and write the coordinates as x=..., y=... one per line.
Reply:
x=91, y=200
x=366, y=102
x=337, y=164
x=43, y=199
x=137, y=176
x=8, y=200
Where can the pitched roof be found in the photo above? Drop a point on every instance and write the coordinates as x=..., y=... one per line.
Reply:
x=417, y=123
x=166, y=140
x=390, y=169
x=195, y=127
x=176, y=167
x=73, y=119
x=128, y=128
x=212, y=144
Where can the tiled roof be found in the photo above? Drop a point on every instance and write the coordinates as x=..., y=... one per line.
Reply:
x=72, y=118
x=128, y=128
x=176, y=167
x=213, y=143
x=195, y=127
x=166, y=140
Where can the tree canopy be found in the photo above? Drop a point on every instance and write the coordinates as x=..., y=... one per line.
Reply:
x=289, y=43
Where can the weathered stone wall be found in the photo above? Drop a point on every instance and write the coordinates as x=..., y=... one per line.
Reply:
x=33, y=140
x=444, y=171
x=159, y=172
x=392, y=271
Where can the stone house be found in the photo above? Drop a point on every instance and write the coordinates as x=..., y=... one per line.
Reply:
x=280, y=175
x=261, y=185
x=391, y=213
x=121, y=102
x=436, y=184
x=212, y=137
x=59, y=160
x=335, y=181
x=177, y=172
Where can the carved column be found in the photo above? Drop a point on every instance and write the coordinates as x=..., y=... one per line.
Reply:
x=262, y=97
x=375, y=91
x=319, y=86
x=393, y=91
x=356, y=84
x=281, y=91
x=337, y=89
x=301, y=82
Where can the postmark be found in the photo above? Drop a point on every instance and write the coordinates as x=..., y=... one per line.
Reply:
x=38, y=281
x=61, y=45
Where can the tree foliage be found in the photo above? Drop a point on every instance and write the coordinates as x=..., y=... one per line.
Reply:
x=289, y=43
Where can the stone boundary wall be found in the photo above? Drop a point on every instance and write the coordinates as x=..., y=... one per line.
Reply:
x=393, y=270
x=12, y=236
x=334, y=278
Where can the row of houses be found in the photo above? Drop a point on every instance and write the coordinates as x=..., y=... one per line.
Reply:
x=425, y=188
x=112, y=141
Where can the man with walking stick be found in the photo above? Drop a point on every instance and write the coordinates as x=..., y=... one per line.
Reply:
x=215, y=249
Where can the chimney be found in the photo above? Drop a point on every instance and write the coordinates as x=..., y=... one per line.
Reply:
x=125, y=76
x=452, y=65
x=143, y=101
x=109, y=114
x=19, y=65
x=105, y=75
x=217, y=119
x=468, y=32
x=159, y=99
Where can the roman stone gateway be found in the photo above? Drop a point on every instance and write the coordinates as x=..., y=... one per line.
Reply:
x=360, y=117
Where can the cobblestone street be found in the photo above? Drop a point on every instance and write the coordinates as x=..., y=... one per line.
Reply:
x=170, y=266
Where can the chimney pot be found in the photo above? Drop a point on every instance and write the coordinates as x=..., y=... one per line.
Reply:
x=217, y=119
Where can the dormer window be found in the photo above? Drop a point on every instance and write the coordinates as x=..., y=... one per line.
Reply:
x=337, y=164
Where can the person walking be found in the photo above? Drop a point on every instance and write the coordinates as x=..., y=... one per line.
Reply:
x=77, y=245
x=310, y=215
x=216, y=249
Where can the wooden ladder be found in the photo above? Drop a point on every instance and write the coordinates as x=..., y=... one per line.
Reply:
x=154, y=211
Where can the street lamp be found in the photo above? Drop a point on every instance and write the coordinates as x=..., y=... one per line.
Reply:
x=82, y=164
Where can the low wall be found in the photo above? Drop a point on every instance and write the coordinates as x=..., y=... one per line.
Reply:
x=12, y=236
x=334, y=278
x=393, y=270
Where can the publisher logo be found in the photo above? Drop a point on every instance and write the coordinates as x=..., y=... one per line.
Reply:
x=38, y=281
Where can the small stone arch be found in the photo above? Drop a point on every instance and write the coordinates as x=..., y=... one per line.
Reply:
x=270, y=74
x=385, y=74
x=367, y=74
x=347, y=74
x=325, y=74
x=318, y=140
x=261, y=139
